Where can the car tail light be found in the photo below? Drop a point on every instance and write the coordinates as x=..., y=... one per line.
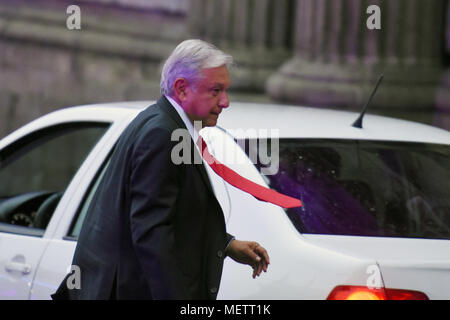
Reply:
x=396, y=294
x=366, y=293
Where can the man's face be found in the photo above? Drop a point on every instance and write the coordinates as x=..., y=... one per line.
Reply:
x=208, y=96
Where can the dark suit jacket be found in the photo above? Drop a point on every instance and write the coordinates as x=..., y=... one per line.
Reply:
x=154, y=229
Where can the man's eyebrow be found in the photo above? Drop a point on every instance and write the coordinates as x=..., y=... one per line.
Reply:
x=217, y=84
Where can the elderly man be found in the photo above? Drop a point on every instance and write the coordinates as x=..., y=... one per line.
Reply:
x=155, y=229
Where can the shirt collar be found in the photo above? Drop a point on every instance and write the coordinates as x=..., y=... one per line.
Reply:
x=192, y=130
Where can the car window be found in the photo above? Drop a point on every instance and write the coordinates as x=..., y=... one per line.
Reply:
x=35, y=171
x=84, y=206
x=365, y=188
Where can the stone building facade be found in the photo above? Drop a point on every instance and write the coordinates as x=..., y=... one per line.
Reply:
x=116, y=55
x=310, y=52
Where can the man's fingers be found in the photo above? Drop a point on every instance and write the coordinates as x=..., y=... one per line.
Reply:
x=257, y=257
x=260, y=268
x=262, y=253
x=257, y=270
x=263, y=257
x=257, y=264
x=254, y=255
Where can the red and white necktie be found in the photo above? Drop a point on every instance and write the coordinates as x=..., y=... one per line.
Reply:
x=236, y=180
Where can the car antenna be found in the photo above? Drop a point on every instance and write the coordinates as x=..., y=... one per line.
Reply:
x=358, y=122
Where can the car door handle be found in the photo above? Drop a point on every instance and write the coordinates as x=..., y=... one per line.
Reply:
x=18, y=266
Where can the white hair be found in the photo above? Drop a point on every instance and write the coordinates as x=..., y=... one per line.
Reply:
x=187, y=61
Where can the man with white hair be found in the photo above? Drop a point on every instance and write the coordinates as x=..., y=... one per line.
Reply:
x=154, y=229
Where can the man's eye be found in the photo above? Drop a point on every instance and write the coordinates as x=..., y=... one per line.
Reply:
x=216, y=91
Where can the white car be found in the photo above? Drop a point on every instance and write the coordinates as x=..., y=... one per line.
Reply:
x=375, y=221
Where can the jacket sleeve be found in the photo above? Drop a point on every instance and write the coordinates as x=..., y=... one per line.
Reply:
x=154, y=188
x=229, y=238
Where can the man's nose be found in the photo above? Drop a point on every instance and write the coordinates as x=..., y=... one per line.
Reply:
x=224, y=102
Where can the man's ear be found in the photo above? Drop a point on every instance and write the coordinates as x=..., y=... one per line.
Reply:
x=181, y=89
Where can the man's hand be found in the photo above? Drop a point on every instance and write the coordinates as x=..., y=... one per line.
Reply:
x=249, y=252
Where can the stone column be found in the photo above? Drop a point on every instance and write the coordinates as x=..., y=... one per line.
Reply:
x=258, y=33
x=338, y=59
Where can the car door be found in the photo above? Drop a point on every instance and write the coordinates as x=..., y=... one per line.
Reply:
x=65, y=225
x=35, y=171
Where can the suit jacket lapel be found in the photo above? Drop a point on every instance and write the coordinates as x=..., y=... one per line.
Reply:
x=170, y=110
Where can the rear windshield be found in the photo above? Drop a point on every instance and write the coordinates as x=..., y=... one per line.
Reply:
x=366, y=188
